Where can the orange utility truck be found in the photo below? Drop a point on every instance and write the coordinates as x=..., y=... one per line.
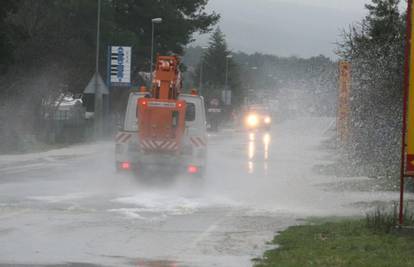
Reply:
x=164, y=129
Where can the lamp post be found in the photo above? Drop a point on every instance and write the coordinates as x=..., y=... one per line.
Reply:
x=200, y=86
x=98, y=94
x=153, y=21
x=254, y=70
x=226, y=83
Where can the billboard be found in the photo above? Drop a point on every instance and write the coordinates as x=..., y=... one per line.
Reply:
x=409, y=166
x=120, y=66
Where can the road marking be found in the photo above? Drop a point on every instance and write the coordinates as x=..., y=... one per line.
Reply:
x=29, y=167
x=209, y=230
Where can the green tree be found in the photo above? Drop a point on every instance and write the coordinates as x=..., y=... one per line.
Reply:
x=375, y=48
x=54, y=46
x=6, y=48
x=181, y=19
x=215, y=61
x=64, y=32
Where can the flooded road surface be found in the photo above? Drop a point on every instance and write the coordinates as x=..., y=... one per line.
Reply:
x=69, y=205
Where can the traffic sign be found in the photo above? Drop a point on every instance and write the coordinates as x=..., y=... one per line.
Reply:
x=410, y=117
x=120, y=65
x=215, y=102
x=226, y=97
x=344, y=101
x=407, y=148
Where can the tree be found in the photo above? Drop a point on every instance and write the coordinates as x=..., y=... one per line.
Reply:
x=375, y=48
x=314, y=79
x=6, y=49
x=215, y=61
x=181, y=19
x=54, y=45
x=64, y=32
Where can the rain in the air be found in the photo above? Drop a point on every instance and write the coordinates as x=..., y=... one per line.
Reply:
x=199, y=133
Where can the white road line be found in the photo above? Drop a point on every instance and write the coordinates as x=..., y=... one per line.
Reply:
x=208, y=231
x=29, y=167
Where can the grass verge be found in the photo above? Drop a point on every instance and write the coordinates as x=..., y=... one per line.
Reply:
x=340, y=243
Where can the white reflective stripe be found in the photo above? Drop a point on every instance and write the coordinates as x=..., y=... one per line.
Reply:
x=198, y=141
x=172, y=145
x=165, y=144
x=119, y=136
x=144, y=144
x=159, y=145
x=123, y=137
x=147, y=145
x=126, y=138
x=201, y=141
x=153, y=145
x=162, y=104
x=194, y=141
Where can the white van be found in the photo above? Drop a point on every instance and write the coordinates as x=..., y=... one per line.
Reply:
x=191, y=158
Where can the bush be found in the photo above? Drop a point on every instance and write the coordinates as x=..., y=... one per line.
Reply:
x=382, y=220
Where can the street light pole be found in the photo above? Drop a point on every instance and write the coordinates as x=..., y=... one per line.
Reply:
x=200, y=87
x=98, y=32
x=153, y=21
x=98, y=94
x=226, y=83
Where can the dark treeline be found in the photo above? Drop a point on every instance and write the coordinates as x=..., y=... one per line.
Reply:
x=309, y=86
x=47, y=47
x=375, y=48
x=215, y=60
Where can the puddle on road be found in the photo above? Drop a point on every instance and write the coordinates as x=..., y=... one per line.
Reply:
x=66, y=264
x=61, y=198
x=159, y=205
x=154, y=263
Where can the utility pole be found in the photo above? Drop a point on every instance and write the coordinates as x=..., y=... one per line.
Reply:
x=98, y=93
x=342, y=121
x=200, y=87
x=226, y=83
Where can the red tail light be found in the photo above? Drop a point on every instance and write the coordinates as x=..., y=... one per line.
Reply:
x=125, y=165
x=192, y=169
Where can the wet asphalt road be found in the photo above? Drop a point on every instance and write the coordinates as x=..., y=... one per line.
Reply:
x=68, y=207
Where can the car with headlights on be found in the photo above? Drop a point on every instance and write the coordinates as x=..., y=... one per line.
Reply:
x=257, y=118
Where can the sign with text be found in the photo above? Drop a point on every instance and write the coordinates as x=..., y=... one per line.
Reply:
x=120, y=65
x=409, y=169
x=343, y=101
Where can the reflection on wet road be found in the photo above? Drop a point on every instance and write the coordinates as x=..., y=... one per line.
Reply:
x=258, y=151
x=69, y=205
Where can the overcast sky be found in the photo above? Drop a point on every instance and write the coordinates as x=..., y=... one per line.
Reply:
x=285, y=27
